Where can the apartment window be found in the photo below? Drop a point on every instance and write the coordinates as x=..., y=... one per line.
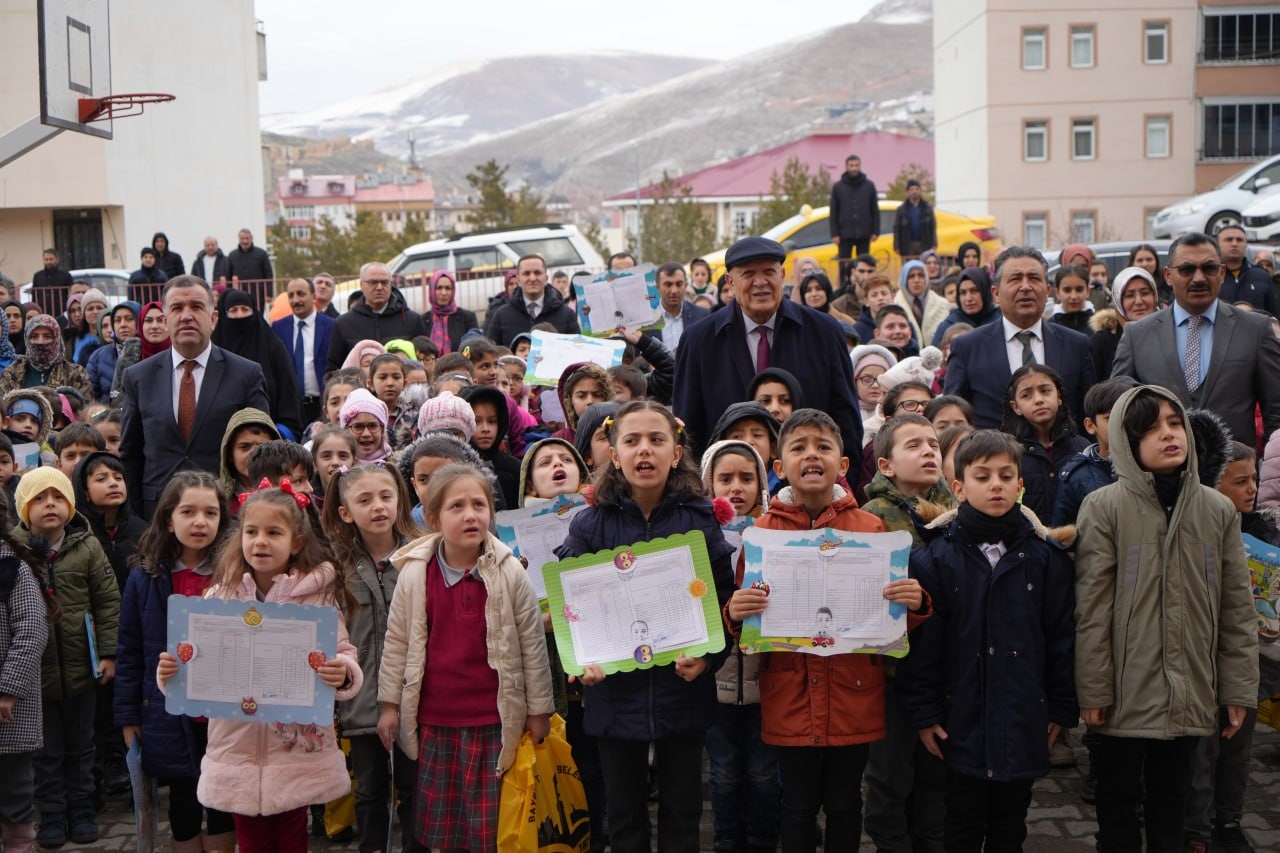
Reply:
x=1155, y=42
x=1082, y=46
x=744, y=221
x=1157, y=137
x=1033, y=50
x=1241, y=130
x=1035, y=230
x=1082, y=226
x=300, y=212
x=300, y=232
x=1035, y=141
x=1242, y=37
x=1083, y=138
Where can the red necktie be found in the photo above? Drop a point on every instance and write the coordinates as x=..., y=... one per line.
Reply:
x=187, y=400
x=762, y=348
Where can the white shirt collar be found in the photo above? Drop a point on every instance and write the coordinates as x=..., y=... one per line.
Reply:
x=752, y=325
x=1010, y=330
x=306, y=319
x=202, y=359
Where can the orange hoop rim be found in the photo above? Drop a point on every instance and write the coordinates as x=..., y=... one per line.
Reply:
x=119, y=106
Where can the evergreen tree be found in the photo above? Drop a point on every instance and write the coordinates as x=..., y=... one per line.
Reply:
x=897, y=189
x=499, y=208
x=674, y=226
x=791, y=190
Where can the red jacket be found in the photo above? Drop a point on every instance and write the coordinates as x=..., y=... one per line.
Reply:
x=810, y=700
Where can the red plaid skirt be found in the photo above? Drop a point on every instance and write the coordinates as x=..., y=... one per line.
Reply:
x=458, y=787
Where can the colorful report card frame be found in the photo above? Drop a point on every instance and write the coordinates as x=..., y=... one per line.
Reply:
x=550, y=354
x=533, y=533
x=826, y=591
x=615, y=302
x=251, y=660
x=635, y=607
x=1264, y=578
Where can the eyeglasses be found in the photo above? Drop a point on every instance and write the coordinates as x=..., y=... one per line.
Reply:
x=1209, y=268
x=370, y=428
x=867, y=380
x=911, y=406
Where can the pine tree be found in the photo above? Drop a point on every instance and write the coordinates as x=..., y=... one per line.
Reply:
x=897, y=189
x=499, y=208
x=674, y=226
x=791, y=190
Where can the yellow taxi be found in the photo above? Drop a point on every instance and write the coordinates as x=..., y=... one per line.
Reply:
x=808, y=233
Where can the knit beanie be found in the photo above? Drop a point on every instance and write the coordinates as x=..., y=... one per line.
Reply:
x=358, y=402
x=35, y=482
x=866, y=355
x=93, y=295
x=447, y=411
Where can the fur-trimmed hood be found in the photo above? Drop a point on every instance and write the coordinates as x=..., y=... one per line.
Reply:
x=709, y=457
x=1064, y=536
x=46, y=411
x=526, y=465
x=1106, y=320
x=1213, y=445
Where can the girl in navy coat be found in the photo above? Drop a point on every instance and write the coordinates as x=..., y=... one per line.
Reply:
x=651, y=490
x=1035, y=414
x=174, y=556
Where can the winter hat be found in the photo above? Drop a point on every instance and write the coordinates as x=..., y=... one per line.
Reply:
x=709, y=463
x=1122, y=280
x=358, y=402
x=147, y=250
x=868, y=355
x=446, y=411
x=917, y=368
x=34, y=482
x=401, y=347
x=592, y=417
x=26, y=406
x=43, y=409
x=360, y=350
x=93, y=295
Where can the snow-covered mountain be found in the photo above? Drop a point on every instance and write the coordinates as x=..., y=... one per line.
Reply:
x=465, y=102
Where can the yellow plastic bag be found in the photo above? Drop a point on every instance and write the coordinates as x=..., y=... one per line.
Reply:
x=340, y=814
x=543, y=805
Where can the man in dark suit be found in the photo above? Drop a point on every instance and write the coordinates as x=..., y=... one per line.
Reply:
x=720, y=355
x=177, y=402
x=305, y=335
x=678, y=313
x=1211, y=354
x=531, y=304
x=983, y=361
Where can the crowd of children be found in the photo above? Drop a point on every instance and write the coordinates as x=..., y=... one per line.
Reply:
x=1017, y=631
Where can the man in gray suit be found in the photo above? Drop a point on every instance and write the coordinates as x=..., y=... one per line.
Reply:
x=1212, y=355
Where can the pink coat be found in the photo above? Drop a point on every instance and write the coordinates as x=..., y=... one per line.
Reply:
x=268, y=768
x=1269, y=473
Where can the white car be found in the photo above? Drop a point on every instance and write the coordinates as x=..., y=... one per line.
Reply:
x=479, y=261
x=1223, y=205
x=114, y=284
x=1262, y=219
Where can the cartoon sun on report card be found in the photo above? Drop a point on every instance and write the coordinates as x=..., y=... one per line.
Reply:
x=635, y=607
x=826, y=591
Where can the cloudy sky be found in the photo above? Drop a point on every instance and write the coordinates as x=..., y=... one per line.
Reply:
x=319, y=51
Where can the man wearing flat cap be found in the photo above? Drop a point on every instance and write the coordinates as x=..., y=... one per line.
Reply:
x=719, y=355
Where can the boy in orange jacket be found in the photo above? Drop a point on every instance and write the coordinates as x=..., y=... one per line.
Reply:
x=821, y=712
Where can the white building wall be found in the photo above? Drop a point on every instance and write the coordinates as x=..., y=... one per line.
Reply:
x=961, y=110
x=190, y=168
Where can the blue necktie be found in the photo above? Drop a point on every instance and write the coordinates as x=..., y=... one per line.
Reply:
x=300, y=360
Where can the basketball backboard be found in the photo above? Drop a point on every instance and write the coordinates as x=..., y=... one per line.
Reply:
x=75, y=61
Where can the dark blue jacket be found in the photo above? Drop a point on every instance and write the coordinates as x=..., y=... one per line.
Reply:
x=995, y=664
x=714, y=368
x=652, y=703
x=1041, y=472
x=169, y=747
x=1083, y=473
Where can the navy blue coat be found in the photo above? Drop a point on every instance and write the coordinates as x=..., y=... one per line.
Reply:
x=647, y=704
x=1041, y=472
x=169, y=748
x=995, y=664
x=978, y=369
x=1083, y=473
x=714, y=368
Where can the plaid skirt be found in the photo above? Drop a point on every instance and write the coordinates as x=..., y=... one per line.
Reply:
x=458, y=787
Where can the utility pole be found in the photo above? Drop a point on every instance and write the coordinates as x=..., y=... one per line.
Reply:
x=639, y=217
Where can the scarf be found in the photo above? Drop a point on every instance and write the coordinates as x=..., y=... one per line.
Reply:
x=147, y=348
x=440, y=314
x=44, y=356
x=990, y=528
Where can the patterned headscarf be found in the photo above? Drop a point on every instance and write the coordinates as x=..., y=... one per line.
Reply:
x=44, y=356
x=440, y=313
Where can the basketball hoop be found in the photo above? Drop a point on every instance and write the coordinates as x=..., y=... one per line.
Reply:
x=118, y=106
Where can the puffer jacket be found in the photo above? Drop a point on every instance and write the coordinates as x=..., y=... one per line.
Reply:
x=517, y=648
x=397, y=320
x=255, y=768
x=812, y=700
x=85, y=584
x=1269, y=473
x=63, y=372
x=993, y=665
x=102, y=370
x=172, y=750
x=1165, y=627
x=897, y=511
x=1080, y=476
x=367, y=626
x=24, y=630
x=1107, y=325
x=648, y=704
